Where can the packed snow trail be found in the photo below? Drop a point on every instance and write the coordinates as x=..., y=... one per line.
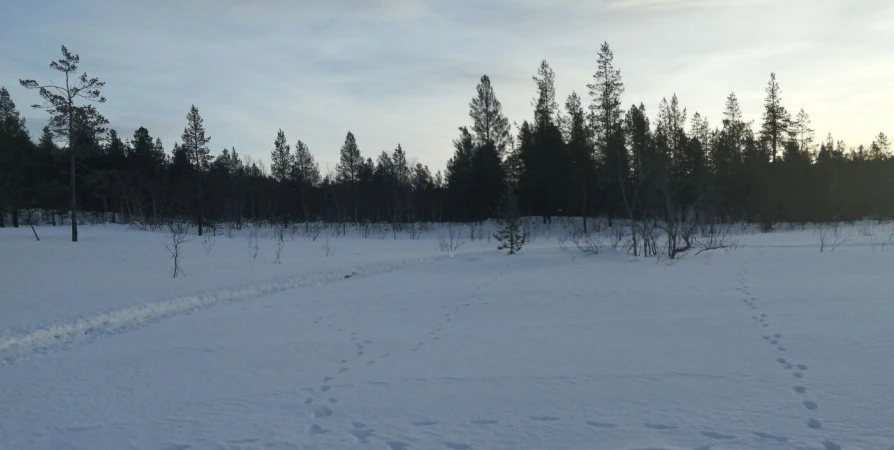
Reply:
x=86, y=329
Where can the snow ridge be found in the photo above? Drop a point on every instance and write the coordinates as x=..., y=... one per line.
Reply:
x=85, y=329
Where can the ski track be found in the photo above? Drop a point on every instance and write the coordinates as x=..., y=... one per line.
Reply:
x=80, y=331
x=796, y=370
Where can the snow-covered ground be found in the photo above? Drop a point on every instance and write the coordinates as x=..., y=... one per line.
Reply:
x=392, y=344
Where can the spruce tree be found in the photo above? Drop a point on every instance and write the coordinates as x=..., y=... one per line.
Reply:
x=281, y=158
x=350, y=162
x=195, y=142
x=510, y=234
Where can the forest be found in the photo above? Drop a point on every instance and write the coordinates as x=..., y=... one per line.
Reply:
x=586, y=157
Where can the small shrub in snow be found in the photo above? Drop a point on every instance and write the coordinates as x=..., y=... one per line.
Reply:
x=178, y=237
x=830, y=236
x=253, y=246
x=328, y=248
x=279, y=236
x=450, y=240
x=208, y=241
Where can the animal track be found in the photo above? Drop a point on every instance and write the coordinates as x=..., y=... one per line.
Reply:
x=800, y=389
x=811, y=405
x=802, y=366
x=781, y=360
x=659, y=426
x=781, y=348
x=716, y=435
x=774, y=341
x=325, y=388
x=308, y=401
x=788, y=366
x=483, y=422
x=815, y=424
x=829, y=445
x=798, y=375
x=314, y=429
x=424, y=423
x=545, y=418
x=397, y=445
x=321, y=412
x=457, y=445
x=601, y=424
x=777, y=335
x=772, y=437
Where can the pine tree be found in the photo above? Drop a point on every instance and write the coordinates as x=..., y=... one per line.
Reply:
x=15, y=155
x=489, y=125
x=195, y=142
x=606, y=91
x=59, y=101
x=195, y=146
x=281, y=158
x=305, y=169
x=349, y=165
x=776, y=121
x=510, y=234
x=803, y=134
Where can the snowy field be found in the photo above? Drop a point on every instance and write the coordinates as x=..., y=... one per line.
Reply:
x=392, y=344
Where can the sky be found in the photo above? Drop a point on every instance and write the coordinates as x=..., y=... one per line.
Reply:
x=403, y=71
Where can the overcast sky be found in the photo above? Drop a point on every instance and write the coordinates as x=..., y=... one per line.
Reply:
x=403, y=71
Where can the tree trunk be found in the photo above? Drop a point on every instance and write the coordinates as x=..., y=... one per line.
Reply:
x=74, y=197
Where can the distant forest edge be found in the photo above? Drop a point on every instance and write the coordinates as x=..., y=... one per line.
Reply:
x=570, y=160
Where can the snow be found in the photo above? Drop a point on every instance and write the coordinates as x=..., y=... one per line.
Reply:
x=391, y=344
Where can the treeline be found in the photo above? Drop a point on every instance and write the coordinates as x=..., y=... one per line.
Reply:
x=568, y=160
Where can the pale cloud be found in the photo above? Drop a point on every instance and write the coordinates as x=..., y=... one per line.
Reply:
x=404, y=70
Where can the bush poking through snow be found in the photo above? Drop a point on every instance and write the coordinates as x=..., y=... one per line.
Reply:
x=451, y=239
x=830, y=236
x=279, y=235
x=253, y=246
x=510, y=234
x=178, y=237
x=208, y=241
x=328, y=248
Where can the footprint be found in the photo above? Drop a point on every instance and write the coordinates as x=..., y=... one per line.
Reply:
x=457, y=445
x=815, y=424
x=483, y=422
x=325, y=388
x=777, y=335
x=308, y=401
x=362, y=435
x=765, y=337
x=763, y=315
x=242, y=441
x=800, y=389
x=545, y=418
x=321, y=412
x=659, y=426
x=369, y=363
x=333, y=400
x=774, y=342
x=600, y=424
x=343, y=370
x=798, y=375
x=314, y=429
x=360, y=353
x=781, y=360
x=765, y=325
x=397, y=445
x=358, y=425
x=367, y=341
x=811, y=405
x=829, y=445
x=424, y=423
x=716, y=435
x=781, y=348
x=772, y=437
x=327, y=379
x=802, y=366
